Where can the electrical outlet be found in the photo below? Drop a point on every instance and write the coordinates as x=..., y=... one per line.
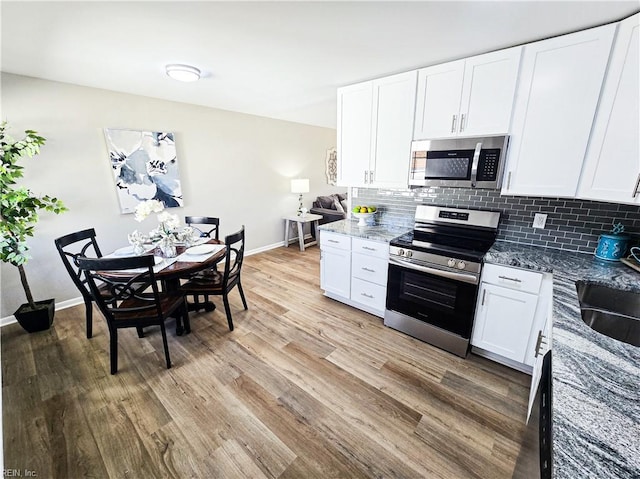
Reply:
x=354, y=192
x=539, y=220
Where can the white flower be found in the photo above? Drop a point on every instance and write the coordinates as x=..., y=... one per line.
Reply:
x=168, y=221
x=145, y=208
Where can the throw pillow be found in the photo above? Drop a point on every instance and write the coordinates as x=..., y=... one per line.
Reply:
x=338, y=206
x=325, y=202
x=342, y=196
x=344, y=205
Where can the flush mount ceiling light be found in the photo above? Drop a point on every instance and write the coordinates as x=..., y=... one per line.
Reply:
x=183, y=72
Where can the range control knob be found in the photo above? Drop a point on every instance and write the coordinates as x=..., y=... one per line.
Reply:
x=401, y=252
x=409, y=253
x=462, y=265
x=451, y=263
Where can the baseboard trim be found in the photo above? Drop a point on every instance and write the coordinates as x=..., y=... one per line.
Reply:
x=523, y=368
x=59, y=306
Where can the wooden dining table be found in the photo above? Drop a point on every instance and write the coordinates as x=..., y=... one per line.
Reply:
x=170, y=275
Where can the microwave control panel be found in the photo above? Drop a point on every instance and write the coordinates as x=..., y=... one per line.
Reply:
x=488, y=164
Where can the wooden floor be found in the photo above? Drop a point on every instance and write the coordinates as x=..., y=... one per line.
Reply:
x=304, y=387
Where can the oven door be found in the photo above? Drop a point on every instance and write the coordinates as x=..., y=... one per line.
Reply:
x=444, y=299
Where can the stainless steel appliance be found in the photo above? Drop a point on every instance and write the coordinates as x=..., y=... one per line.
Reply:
x=434, y=273
x=458, y=162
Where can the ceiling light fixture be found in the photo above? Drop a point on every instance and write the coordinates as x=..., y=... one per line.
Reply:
x=183, y=72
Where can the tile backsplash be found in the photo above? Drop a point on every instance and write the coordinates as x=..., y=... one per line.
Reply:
x=572, y=225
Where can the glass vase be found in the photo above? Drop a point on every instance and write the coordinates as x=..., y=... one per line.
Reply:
x=168, y=248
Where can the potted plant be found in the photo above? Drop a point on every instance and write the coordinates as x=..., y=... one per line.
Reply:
x=18, y=216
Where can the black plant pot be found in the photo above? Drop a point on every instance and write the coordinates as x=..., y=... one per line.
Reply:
x=39, y=319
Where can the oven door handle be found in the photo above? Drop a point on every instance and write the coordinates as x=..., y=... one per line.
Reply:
x=464, y=277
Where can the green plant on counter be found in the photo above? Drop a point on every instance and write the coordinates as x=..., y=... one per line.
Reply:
x=18, y=205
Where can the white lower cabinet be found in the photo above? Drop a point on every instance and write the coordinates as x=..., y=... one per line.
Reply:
x=511, y=307
x=335, y=263
x=354, y=271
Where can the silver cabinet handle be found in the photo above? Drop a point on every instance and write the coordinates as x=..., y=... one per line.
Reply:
x=462, y=123
x=367, y=295
x=370, y=176
x=369, y=248
x=484, y=294
x=453, y=124
x=539, y=342
x=333, y=241
x=508, y=180
x=510, y=279
x=635, y=190
x=368, y=269
x=366, y=176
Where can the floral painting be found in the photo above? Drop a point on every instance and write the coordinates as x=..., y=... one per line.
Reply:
x=145, y=167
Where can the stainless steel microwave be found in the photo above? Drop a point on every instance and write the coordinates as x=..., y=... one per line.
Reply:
x=459, y=162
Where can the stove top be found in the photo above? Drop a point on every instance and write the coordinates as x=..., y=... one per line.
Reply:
x=448, y=232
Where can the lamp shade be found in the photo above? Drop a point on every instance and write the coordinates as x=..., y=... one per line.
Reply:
x=300, y=186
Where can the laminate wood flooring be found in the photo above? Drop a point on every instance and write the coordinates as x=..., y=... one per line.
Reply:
x=304, y=387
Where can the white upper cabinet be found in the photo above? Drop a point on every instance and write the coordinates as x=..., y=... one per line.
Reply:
x=438, y=100
x=354, y=133
x=557, y=94
x=375, y=125
x=467, y=97
x=394, y=100
x=611, y=170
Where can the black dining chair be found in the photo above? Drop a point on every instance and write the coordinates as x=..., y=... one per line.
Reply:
x=205, y=232
x=70, y=247
x=212, y=282
x=202, y=230
x=134, y=300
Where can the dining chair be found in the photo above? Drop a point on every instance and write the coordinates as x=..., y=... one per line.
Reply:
x=134, y=300
x=205, y=233
x=204, y=220
x=70, y=247
x=212, y=282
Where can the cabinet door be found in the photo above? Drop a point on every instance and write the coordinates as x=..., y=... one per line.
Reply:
x=503, y=321
x=612, y=167
x=488, y=92
x=543, y=344
x=354, y=133
x=335, y=271
x=393, y=112
x=438, y=101
x=557, y=94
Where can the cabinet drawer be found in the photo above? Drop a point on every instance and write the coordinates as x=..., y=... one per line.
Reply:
x=334, y=240
x=372, y=248
x=369, y=268
x=512, y=278
x=369, y=294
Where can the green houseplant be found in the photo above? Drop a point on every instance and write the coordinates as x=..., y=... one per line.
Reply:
x=18, y=217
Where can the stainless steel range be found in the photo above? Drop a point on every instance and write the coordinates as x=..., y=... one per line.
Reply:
x=434, y=273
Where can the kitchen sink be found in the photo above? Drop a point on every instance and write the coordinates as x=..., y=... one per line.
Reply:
x=612, y=312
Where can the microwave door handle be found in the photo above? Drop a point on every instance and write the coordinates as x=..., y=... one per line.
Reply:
x=474, y=163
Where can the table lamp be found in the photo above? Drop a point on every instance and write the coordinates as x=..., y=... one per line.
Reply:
x=300, y=186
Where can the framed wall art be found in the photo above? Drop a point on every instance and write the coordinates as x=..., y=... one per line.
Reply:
x=331, y=168
x=145, y=167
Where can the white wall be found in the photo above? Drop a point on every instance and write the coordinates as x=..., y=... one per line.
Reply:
x=232, y=165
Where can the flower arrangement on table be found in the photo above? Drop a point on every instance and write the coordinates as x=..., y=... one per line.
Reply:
x=167, y=233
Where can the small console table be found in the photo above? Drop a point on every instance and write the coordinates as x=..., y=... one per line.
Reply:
x=300, y=220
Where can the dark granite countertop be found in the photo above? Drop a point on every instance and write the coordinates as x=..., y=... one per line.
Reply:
x=596, y=379
x=377, y=232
